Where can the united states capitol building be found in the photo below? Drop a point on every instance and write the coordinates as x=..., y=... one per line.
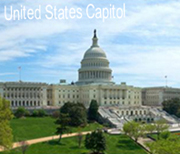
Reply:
x=94, y=82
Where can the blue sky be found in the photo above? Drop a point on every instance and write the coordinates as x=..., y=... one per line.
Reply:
x=142, y=48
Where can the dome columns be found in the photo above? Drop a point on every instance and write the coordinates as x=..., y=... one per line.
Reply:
x=95, y=75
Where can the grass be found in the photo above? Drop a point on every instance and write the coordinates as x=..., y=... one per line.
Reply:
x=31, y=128
x=155, y=137
x=116, y=144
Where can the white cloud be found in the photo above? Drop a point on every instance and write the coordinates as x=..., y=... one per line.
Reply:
x=7, y=74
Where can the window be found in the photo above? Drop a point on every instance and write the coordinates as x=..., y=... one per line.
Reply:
x=12, y=103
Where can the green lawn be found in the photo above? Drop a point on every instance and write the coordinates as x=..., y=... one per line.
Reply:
x=116, y=144
x=31, y=128
x=155, y=137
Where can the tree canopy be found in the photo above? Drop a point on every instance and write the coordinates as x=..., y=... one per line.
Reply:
x=134, y=129
x=96, y=142
x=160, y=126
x=77, y=113
x=5, y=130
x=169, y=145
x=93, y=111
x=172, y=106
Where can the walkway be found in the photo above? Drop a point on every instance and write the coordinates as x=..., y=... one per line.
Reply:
x=143, y=142
x=44, y=139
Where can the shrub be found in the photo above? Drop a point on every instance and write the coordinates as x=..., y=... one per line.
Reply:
x=20, y=112
x=41, y=113
x=35, y=113
x=27, y=113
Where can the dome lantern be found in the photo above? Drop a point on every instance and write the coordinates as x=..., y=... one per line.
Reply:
x=95, y=40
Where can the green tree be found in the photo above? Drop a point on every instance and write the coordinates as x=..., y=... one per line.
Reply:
x=78, y=116
x=62, y=122
x=171, y=145
x=93, y=111
x=77, y=113
x=5, y=130
x=127, y=128
x=96, y=142
x=172, y=106
x=150, y=128
x=160, y=126
x=66, y=108
x=134, y=129
x=20, y=112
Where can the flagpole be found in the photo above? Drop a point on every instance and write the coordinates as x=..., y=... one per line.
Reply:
x=20, y=74
x=166, y=80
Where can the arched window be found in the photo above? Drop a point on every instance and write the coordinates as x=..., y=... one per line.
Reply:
x=140, y=112
x=131, y=113
x=127, y=113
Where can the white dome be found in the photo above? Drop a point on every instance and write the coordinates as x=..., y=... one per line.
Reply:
x=94, y=52
x=94, y=65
